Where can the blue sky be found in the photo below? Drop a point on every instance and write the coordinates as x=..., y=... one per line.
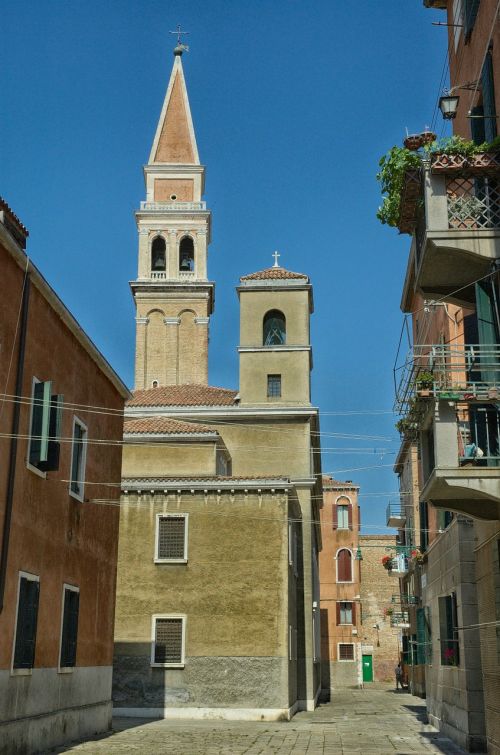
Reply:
x=293, y=104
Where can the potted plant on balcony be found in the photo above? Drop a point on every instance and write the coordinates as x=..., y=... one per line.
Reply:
x=388, y=611
x=387, y=563
x=417, y=556
x=424, y=384
x=399, y=175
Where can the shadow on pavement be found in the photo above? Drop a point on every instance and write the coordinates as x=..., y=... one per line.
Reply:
x=119, y=724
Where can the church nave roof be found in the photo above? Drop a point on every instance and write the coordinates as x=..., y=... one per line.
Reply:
x=183, y=395
x=165, y=426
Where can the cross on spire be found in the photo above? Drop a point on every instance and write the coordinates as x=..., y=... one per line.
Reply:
x=179, y=33
x=276, y=255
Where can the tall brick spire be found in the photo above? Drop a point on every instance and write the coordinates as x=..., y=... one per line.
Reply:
x=174, y=140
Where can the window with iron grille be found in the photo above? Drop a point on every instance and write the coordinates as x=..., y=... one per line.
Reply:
x=27, y=617
x=78, y=459
x=346, y=651
x=171, y=538
x=69, y=629
x=448, y=622
x=274, y=386
x=168, y=641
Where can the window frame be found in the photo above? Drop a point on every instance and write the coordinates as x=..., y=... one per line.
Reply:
x=83, y=460
x=345, y=515
x=346, y=660
x=30, y=466
x=345, y=623
x=274, y=376
x=183, y=619
x=20, y=671
x=71, y=588
x=161, y=515
x=267, y=316
x=344, y=581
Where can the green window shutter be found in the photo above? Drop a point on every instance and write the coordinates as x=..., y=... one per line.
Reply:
x=54, y=445
x=27, y=617
x=477, y=125
x=40, y=420
x=70, y=628
x=488, y=89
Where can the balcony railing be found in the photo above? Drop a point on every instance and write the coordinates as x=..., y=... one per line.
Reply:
x=405, y=599
x=479, y=437
x=168, y=206
x=400, y=619
x=467, y=373
x=400, y=562
x=395, y=515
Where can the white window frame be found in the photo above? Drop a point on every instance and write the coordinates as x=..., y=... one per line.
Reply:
x=156, y=616
x=345, y=623
x=346, y=507
x=339, y=502
x=64, y=669
x=29, y=466
x=346, y=660
x=183, y=560
x=33, y=578
x=79, y=496
x=343, y=581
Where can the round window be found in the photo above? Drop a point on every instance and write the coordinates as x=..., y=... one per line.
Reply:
x=173, y=196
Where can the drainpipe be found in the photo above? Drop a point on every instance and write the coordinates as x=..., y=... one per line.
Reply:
x=13, y=444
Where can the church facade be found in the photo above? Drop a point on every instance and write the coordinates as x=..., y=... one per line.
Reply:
x=217, y=611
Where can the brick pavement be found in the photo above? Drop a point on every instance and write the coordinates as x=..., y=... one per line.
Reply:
x=374, y=721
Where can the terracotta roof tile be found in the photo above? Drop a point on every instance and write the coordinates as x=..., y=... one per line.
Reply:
x=274, y=273
x=165, y=426
x=327, y=480
x=183, y=395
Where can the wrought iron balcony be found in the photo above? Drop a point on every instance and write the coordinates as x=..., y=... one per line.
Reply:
x=400, y=619
x=395, y=515
x=400, y=562
x=467, y=373
x=452, y=209
x=405, y=600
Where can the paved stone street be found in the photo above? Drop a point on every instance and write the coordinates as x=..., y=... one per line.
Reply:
x=376, y=721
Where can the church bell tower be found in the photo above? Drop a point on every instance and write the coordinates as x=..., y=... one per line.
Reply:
x=173, y=296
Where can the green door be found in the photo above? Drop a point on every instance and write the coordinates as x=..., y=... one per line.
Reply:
x=367, y=668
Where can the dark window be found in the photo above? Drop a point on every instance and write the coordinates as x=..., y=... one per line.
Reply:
x=488, y=92
x=45, y=428
x=274, y=386
x=274, y=328
x=168, y=641
x=346, y=652
x=186, y=254
x=158, y=257
x=69, y=628
x=424, y=525
x=27, y=615
x=470, y=9
x=78, y=458
x=344, y=566
x=448, y=630
x=422, y=637
x=171, y=537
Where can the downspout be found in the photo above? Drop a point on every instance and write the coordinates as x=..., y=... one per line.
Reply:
x=13, y=445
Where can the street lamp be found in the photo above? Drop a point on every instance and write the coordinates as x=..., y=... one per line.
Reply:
x=448, y=104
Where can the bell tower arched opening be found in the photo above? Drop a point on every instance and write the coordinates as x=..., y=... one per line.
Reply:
x=186, y=255
x=158, y=256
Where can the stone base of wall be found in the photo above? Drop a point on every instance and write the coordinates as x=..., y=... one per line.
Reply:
x=469, y=742
x=219, y=683
x=43, y=732
x=44, y=709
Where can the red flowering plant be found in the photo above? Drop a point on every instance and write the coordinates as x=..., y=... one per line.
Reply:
x=417, y=556
x=387, y=562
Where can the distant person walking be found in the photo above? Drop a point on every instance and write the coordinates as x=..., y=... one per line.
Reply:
x=399, y=676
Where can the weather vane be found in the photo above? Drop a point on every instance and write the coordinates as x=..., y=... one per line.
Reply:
x=180, y=45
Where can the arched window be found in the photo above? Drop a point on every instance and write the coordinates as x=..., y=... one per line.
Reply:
x=342, y=514
x=274, y=331
x=158, y=248
x=186, y=254
x=344, y=565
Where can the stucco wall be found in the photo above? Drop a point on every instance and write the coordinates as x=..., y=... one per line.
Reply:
x=455, y=693
x=233, y=591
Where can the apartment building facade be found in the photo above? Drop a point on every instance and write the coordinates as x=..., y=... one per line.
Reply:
x=448, y=396
x=59, y=545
